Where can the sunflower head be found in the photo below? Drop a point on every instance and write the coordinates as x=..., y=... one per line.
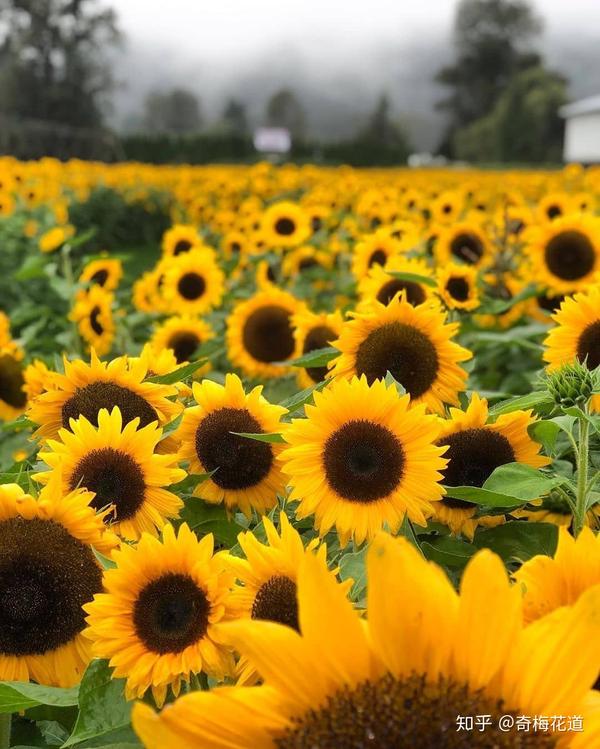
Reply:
x=572, y=384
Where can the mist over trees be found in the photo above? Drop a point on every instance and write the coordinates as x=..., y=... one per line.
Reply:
x=52, y=63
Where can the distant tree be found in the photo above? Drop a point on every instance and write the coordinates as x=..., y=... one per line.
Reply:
x=524, y=125
x=381, y=128
x=176, y=112
x=492, y=41
x=284, y=110
x=235, y=118
x=52, y=64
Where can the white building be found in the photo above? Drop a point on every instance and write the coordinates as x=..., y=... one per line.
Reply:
x=582, y=130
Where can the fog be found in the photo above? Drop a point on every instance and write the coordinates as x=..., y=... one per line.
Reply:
x=338, y=57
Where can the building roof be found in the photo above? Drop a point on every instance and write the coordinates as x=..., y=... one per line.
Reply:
x=588, y=105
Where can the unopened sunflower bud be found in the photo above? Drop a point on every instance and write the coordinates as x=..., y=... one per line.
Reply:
x=571, y=385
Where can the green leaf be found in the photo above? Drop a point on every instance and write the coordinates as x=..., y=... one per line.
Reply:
x=17, y=695
x=204, y=518
x=274, y=437
x=479, y=496
x=531, y=400
x=518, y=540
x=299, y=400
x=447, y=551
x=353, y=565
x=33, y=267
x=319, y=357
x=178, y=375
x=391, y=380
x=407, y=530
x=521, y=481
x=105, y=562
x=498, y=306
x=545, y=432
x=413, y=278
x=102, y=704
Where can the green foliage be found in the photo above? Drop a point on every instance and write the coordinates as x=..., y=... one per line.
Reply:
x=523, y=126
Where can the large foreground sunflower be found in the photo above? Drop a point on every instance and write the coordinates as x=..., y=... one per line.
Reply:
x=414, y=344
x=47, y=572
x=84, y=389
x=119, y=465
x=244, y=472
x=260, y=333
x=475, y=447
x=155, y=620
x=363, y=457
x=404, y=678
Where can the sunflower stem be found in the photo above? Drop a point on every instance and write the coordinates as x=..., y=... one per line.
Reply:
x=582, y=475
x=5, y=726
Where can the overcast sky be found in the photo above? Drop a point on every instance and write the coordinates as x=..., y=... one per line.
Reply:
x=346, y=51
x=239, y=27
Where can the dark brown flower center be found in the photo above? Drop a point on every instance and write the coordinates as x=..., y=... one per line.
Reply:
x=467, y=247
x=473, y=455
x=191, y=286
x=12, y=382
x=95, y=322
x=100, y=277
x=171, y=613
x=458, y=288
x=318, y=337
x=406, y=713
x=88, y=400
x=404, y=351
x=115, y=478
x=363, y=461
x=46, y=575
x=184, y=344
x=377, y=257
x=268, y=335
x=183, y=245
x=285, y=226
x=570, y=255
x=277, y=601
x=238, y=462
x=414, y=292
x=588, y=345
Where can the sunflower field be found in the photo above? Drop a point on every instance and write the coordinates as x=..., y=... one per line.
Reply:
x=296, y=457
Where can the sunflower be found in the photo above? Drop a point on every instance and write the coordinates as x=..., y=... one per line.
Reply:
x=47, y=572
x=13, y=393
x=414, y=344
x=576, y=334
x=457, y=286
x=374, y=249
x=553, y=206
x=551, y=582
x=311, y=332
x=38, y=379
x=446, y=208
x=466, y=242
x=105, y=272
x=182, y=334
x=260, y=333
x=475, y=447
x=180, y=239
x=86, y=388
x=155, y=620
x=363, y=457
x=246, y=474
x=565, y=253
x=54, y=238
x=235, y=245
x=305, y=258
x=118, y=463
x=93, y=314
x=402, y=678
x=285, y=224
x=193, y=283
x=269, y=574
x=379, y=284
